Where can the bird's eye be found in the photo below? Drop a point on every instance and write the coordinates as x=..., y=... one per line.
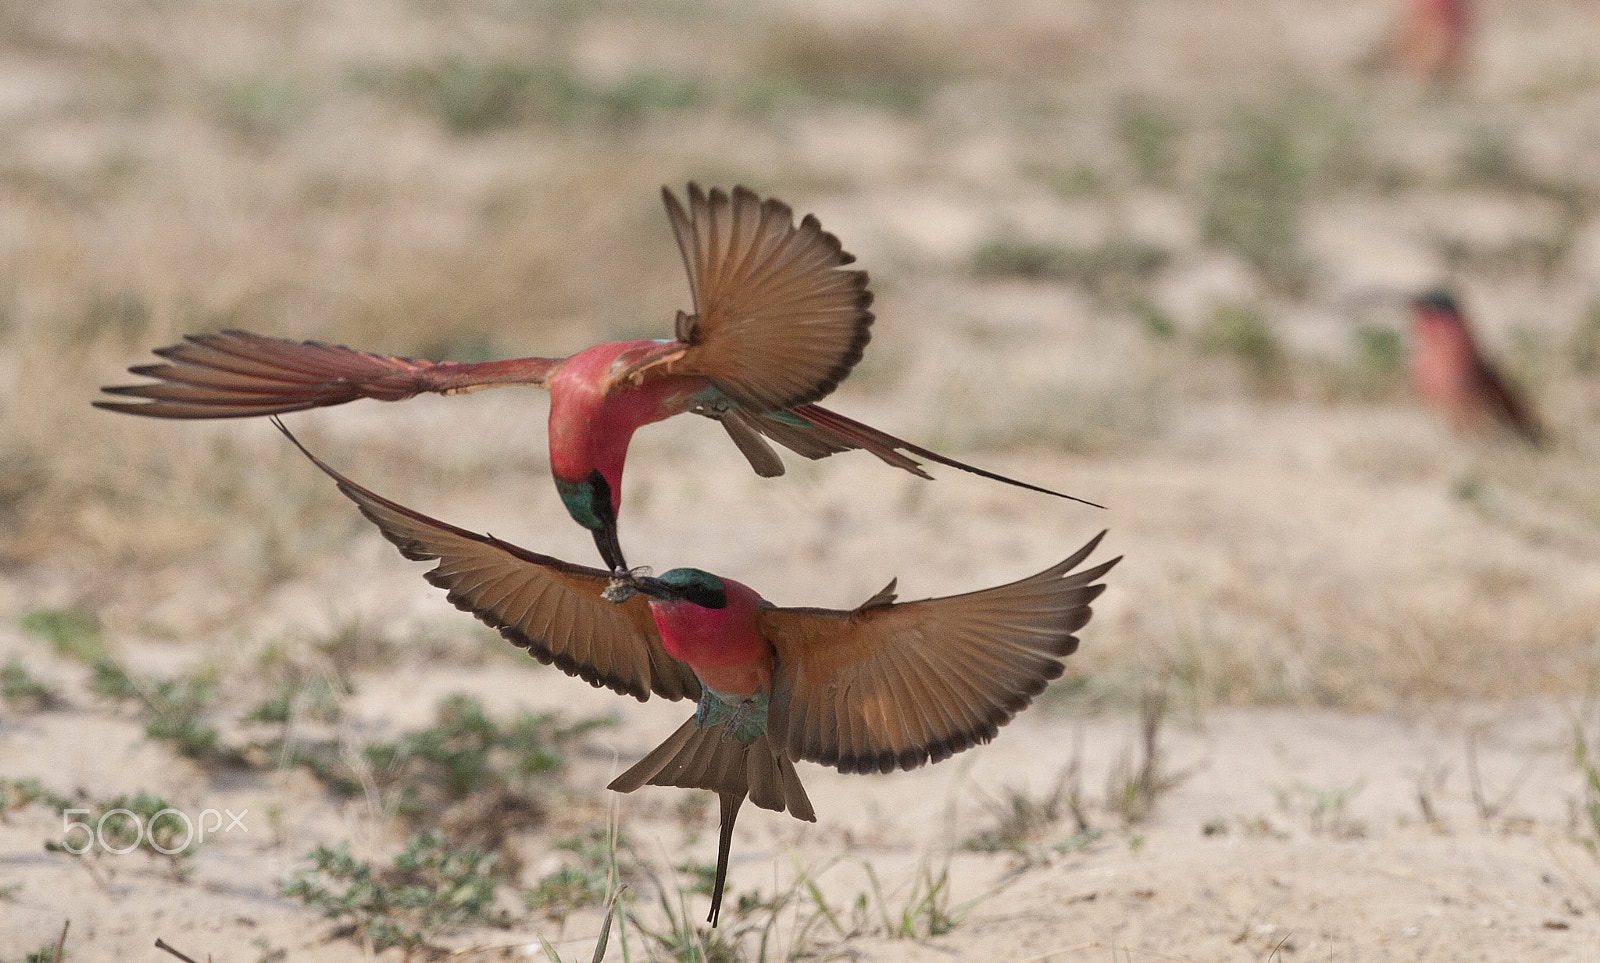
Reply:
x=707, y=597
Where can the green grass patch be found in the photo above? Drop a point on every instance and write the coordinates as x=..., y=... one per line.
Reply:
x=73, y=632
x=1241, y=330
x=429, y=886
x=1119, y=266
x=470, y=96
x=173, y=709
x=1152, y=135
x=21, y=690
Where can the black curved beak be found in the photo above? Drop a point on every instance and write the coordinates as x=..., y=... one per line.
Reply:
x=654, y=588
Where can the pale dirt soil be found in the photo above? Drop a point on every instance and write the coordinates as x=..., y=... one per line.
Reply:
x=1377, y=640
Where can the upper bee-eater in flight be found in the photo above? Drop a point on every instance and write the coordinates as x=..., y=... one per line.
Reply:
x=777, y=324
x=889, y=685
x=1451, y=373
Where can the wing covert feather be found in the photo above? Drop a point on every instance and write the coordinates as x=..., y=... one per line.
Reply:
x=890, y=687
x=549, y=607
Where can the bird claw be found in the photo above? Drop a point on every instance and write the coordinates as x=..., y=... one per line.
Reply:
x=621, y=588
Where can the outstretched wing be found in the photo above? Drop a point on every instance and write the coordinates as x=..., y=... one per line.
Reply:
x=549, y=607
x=893, y=686
x=776, y=322
x=236, y=374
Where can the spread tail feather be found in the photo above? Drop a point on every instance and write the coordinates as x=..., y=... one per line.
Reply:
x=730, y=811
x=828, y=432
x=701, y=758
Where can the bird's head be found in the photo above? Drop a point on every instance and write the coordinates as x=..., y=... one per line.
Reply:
x=684, y=585
x=1437, y=300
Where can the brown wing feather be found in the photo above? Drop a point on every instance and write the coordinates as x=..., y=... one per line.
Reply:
x=549, y=607
x=894, y=686
x=777, y=323
x=236, y=374
x=1505, y=402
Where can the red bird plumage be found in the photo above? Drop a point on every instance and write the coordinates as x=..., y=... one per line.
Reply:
x=1434, y=38
x=1451, y=373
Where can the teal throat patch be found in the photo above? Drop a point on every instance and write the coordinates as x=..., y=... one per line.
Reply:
x=583, y=500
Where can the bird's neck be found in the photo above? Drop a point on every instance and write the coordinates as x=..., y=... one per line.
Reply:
x=722, y=646
x=591, y=426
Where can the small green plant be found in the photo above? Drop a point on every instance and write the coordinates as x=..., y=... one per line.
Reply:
x=1132, y=790
x=1326, y=808
x=141, y=822
x=1489, y=159
x=604, y=860
x=74, y=632
x=172, y=708
x=1020, y=819
x=51, y=952
x=1254, y=198
x=1241, y=330
x=18, y=793
x=461, y=749
x=926, y=911
x=471, y=96
x=21, y=690
x=1381, y=350
x=1585, y=343
x=1108, y=269
x=1155, y=321
x=885, y=68
x=314, y=697
x=429, y=886
x=465, y=755
x=1152, y=135
x=260, y=106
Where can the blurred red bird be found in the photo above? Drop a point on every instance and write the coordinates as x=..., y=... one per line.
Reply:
x=777, y=324
x=1452, y=375
x=889, y=685
x=1434, y=38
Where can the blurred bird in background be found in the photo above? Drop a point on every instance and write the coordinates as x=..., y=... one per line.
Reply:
x=889, y=685
x=1434, y=39
x=1451, y=374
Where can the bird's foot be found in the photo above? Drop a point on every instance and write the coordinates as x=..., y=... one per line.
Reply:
x=621, y=588
x=736, y=720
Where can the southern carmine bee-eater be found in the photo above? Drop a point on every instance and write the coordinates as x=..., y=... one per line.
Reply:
x=777, y=324
x=1451, y=373
x=1434, y=38
x=889, y=685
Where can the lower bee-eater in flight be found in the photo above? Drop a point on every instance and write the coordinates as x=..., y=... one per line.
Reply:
x=777, y=324
x=1452, y=374
x=889, y=685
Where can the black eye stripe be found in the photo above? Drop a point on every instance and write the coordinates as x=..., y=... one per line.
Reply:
x=706, y=597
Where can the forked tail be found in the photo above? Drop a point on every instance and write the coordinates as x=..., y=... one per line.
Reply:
x=825, y=433
x=696, y=758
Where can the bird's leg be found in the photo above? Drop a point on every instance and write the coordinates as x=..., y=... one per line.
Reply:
x=744, y=717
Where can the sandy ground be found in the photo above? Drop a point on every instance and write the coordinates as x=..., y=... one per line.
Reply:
x=1376, y=639
x=1288, y=830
